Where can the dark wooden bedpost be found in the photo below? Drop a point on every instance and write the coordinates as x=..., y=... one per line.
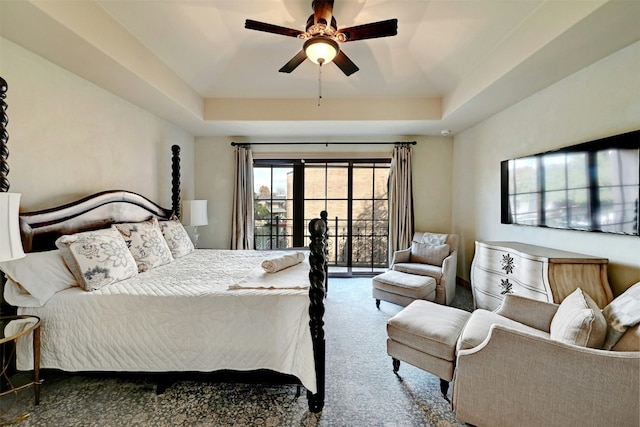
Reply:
x=175, y=180
x=4, y=137
x=317, y=280
x=324, y=215
x=5, y=308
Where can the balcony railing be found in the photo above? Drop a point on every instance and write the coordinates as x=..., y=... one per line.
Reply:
x=368, y=245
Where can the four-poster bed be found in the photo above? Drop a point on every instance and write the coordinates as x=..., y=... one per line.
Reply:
x=205, y=311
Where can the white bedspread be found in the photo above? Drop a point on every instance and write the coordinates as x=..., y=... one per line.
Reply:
x=183, y=316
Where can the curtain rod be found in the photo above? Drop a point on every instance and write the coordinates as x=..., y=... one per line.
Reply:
x=244, y=144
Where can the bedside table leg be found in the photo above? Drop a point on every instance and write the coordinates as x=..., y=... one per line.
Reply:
x=36, y=364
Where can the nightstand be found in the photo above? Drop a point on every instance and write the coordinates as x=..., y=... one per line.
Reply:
x=12, y=328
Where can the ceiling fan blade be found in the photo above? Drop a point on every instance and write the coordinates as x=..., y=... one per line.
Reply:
x=270, y=28
x=345, y=64
x=294, y=62
x=371, y=31
x=323, y=11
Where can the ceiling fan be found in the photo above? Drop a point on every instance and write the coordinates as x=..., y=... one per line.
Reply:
x=322, y=37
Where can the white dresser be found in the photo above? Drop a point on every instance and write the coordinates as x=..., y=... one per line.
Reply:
x=535, y=272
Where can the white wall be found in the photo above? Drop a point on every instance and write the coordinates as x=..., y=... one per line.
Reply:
x=601, y=100
x=214, y=165
x=69, y=138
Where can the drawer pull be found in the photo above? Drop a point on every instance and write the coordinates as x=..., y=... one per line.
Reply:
x=506, y=287
x=507, y=263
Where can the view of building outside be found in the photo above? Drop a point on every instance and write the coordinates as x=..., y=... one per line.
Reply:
x=358, y=216
x=272, y=209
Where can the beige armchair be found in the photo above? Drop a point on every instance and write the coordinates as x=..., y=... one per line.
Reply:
x=430, y=263
x=510, y=372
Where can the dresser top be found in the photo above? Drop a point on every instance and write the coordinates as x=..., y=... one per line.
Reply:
x=544, y=252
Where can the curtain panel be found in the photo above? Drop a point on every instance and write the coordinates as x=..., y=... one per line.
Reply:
x=401, y=226
x=243, y=224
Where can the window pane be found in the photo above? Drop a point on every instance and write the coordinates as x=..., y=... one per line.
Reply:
x=381, y=210
x=381, y=180
x=337, y=179
x=362, y=183
x=315, y=182
x=312, y=208
x=338, y=208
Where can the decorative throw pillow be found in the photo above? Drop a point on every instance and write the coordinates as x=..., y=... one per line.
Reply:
x=42, y=274
x=579, y=321
x=434, y=238
x=146, y=243
x=629, y=341
x=97, y=258
x=622, y=313
x=176, y=237
x=428, y=254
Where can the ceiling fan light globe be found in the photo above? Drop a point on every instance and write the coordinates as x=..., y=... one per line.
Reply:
x=321, y=50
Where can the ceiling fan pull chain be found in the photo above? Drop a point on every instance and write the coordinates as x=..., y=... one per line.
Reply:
x=320, y=83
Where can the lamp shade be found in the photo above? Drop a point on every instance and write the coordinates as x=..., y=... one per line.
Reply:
x=321, y=50
x=10, y=242
x=194, y=213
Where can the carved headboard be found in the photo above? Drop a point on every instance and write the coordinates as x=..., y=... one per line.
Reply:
x=40, y=229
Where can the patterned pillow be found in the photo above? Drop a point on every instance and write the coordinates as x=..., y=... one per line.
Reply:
x=146, y=243
x=629, y=341
x=177, y=238
x=434, y=238
x=579, y=321
x=622, y=313
x=428, y=254
x=97, y=258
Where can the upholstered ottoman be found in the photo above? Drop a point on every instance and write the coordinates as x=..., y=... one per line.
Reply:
x=402, y=288
x=424, y=334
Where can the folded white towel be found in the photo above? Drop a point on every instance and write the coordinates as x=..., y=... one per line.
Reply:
x=281, y=262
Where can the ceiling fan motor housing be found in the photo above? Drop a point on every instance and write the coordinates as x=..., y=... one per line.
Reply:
x=322, y=36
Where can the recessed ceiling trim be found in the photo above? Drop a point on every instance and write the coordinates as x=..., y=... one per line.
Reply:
x=366, y=109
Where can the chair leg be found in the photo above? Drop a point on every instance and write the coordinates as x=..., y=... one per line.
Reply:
x=396, y=364
x=378, y=304
x=444, y=387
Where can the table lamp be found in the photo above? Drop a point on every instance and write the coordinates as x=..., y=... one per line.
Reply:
x=10, y=241
x=194, y=214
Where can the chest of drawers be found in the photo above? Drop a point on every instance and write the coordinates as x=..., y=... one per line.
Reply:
x=535, y=272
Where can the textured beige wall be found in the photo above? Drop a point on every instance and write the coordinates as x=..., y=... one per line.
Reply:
x=598, y=101
x=70, y=138
x=214, y=171
x=214, y=165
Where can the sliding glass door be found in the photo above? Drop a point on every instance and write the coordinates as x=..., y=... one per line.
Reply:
x=353, y=192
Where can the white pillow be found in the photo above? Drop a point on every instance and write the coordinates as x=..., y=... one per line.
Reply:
x=177, y=238
x=579, y=321
x=429, y=254
x=41, y=274
x=146, y=243
x=97, y=258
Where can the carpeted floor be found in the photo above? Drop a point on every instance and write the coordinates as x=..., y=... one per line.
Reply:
x=361, y=390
